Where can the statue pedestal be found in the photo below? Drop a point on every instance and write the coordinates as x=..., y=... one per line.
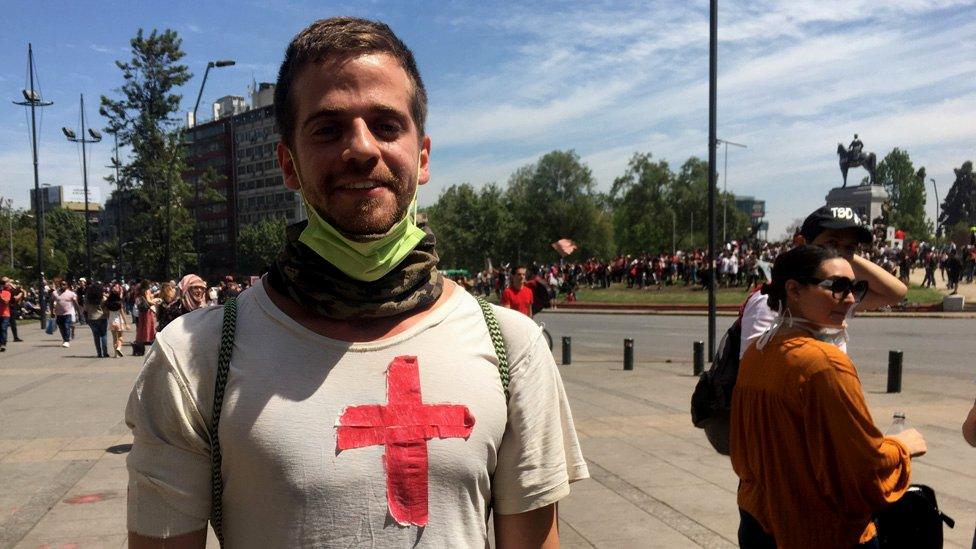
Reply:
x=866, y=200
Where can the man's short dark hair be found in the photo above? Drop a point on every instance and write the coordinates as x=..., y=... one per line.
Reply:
x=337, y=38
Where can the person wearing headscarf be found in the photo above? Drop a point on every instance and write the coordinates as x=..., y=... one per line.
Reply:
x=193, y=293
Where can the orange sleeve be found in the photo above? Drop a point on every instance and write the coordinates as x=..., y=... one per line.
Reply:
x=860, y=470
x=506, y=298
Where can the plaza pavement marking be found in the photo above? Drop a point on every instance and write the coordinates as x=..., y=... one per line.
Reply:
x=623, y=395
x=58, y=449
x=21, y=523
x=30, y=386
x=63, y=370
x=674, y=519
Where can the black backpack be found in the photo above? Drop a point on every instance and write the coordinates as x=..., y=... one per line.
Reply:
x=912, y=522
x=711, y=403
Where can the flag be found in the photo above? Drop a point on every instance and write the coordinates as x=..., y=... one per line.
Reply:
x=564, y=247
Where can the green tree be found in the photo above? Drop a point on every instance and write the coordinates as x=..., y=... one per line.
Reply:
x=654, y=208
x=555, y=198
x=640, y=199
x=259, y=244
x=64, y=231
x=159, y=223
x=471, y=226
x=959, y=206
x=906, y=191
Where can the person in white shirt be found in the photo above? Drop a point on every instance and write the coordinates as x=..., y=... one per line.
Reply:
x=842, y=229
x=365, y=404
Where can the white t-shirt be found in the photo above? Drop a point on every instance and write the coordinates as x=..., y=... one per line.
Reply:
x=757, y=317
x=287, y=483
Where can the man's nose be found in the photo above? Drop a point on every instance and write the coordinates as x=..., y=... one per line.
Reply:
x=361, y=145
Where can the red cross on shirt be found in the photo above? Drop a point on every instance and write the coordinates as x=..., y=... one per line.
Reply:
x=403, y=426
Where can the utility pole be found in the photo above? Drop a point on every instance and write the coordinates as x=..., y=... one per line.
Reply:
x=936, y=189
x=117, y=163
x=712, y=95
x=725, y=189
x=32, y=99
x=94, y=137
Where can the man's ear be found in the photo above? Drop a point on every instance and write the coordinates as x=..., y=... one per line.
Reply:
x=423, y=175
x=288, y=170
x=799, y=240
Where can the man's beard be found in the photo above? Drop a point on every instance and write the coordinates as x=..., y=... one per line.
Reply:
x=363, y=222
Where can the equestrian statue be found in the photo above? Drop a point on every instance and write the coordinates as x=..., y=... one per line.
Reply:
x=854, y=157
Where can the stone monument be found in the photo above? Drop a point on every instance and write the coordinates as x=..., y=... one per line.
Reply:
x=868, y=199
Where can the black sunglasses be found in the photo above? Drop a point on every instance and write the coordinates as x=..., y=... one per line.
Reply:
x=840, y=286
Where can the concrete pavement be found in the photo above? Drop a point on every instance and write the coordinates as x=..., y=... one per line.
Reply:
x=655, y=481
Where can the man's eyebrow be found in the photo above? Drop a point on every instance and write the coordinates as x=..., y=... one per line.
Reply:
x=335, y=112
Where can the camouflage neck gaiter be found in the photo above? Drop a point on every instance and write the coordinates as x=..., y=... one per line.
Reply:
x=322, y=288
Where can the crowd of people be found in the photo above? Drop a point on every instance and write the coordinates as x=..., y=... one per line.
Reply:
x=739, y=265
x=339, y=357
x=109, y=308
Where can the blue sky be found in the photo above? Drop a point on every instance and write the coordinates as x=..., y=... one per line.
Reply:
x=509, y=82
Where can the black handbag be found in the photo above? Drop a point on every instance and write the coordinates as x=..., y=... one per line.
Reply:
x=912, y=522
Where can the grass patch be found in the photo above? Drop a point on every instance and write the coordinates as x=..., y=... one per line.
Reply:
x=665, y=296
x=924, y=296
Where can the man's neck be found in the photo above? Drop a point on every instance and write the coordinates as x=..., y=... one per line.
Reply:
x=354, y=330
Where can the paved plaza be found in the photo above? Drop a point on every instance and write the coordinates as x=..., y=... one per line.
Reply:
x=655, y=481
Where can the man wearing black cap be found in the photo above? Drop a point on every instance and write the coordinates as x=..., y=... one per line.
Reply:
x=840, y=228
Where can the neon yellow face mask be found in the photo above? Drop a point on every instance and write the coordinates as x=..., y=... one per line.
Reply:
x=367, y=261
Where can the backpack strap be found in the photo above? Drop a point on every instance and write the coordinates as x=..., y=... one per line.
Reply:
x=494, y=330
x=220, y=383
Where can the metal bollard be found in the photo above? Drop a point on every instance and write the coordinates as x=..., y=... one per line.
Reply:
x=699, y=357
x=894, y=371
x=628, y=354
x=567, y=350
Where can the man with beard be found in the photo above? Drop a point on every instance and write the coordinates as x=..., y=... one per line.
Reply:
x=367, y=401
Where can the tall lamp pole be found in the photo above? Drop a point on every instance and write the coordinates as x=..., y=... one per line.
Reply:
x=196, y=186
x=725, y=189
x=210, y=65
x=936, y=189
x=93, y=137
x=32, y=99
x=117, y=163
x=712, y=89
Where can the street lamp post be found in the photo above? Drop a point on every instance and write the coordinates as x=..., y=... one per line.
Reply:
x=93, y=137
x=196, y=186
x=712, y=101
x=210, y=65
x=725, y=189
x=936, y=189
x=117, y=163
x=32, y=99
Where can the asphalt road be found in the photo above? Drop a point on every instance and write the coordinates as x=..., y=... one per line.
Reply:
x=930, y=345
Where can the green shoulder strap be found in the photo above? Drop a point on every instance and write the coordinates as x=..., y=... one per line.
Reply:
x=496, y=339
x=220, y=383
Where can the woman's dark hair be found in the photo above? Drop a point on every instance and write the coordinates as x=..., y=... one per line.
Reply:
x=799, y=263
x=94, y=293
x=113, y=302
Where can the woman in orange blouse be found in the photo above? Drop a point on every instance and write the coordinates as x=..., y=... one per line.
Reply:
x=813, y=466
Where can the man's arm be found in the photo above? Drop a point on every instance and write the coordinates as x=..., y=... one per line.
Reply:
x=193, y=540
x=883, y=288
x=538, y=528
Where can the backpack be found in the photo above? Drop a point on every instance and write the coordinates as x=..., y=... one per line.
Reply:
x=912, y=522
x=711, y=403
